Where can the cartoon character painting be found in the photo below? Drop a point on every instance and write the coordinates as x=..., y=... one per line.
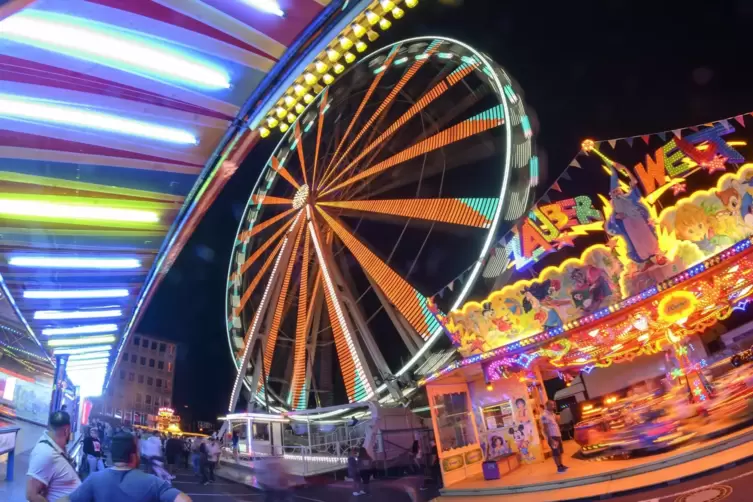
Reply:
x=522, y=440
x=693, y=224
x=631, y=220
x=590, y=288
x=539, y=298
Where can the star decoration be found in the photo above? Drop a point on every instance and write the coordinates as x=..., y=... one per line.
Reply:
x=717, y=164
x=612, y=243
x=697, y=391
x=477, y=344
x=678, y=188
x=564, y=240
x=676, y=372
x=682, y=351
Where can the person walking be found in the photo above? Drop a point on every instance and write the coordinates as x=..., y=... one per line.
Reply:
x=236, y=446
x=124, y=482
x=204, y=462
x=353, y=471
x=52, y=474
x=173, y=450
x=93, y=451
x=364, y=469
x=553, y=434
x=195, y=456
x=435, y=469
x=213, y=456
x=186, y=451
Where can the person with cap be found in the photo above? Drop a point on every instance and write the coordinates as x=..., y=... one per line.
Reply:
x=52, y=473
x=125, y=482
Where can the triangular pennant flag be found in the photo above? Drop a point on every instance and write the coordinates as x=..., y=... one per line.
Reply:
x=677, y=133
x=663, y=136
x=740, y=120
x=645, y=138
x=725, y=123
x=694, y=128
x=565, y=176
x=612, y=143
x=629, y=141
x=556, y=186
x=441, y=294
x=451, y=286
x=546, y=198
x=574, y=163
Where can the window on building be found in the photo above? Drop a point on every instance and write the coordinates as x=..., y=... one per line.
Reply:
x=148, y=399
x=159, y=383
x=156, y=401
x=125, y=356
x=110, y=391
x=131, y=376
x=167, y=385
x=166, y=401
x=136, y=340
x=138, y=397
x=151, y=363
x=122, y=374
x=169, y=367
x=160, y=365
x=145, y=343
x=134, y=358
x=171, y=349
x=162, y=347
x=143, y=361
x=141, y=378
x=154, y=345
x=149, y=380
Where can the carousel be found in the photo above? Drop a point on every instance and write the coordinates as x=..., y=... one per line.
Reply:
x=641, y=246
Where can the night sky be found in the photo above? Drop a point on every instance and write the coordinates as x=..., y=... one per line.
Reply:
x=589, y=69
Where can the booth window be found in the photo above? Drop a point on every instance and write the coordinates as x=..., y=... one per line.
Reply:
x=454, y=421
x=261, y=432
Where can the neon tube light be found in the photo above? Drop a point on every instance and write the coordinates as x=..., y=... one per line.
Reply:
x=24, y=108
x=92, y=362
x=73, y=262
x=110, y=46
x=87, y=212
x=77, y=314
x=268, y=6
x=75, y=293
x=86, y=357
x=82, y=350
x=89, y=340
x=81, y=330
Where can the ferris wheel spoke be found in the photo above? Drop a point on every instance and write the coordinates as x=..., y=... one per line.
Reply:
x=264, y=224
x=263, y=247
x=270, y=200
x=482, y=122
x=269, y=345
x=408, y=301
x=366, y=98
x=261, y=311
x=282, y=171
x=472, y=212
x=359, y=383
x=425, y=100
x=257, y=278
x=297, y=385
x=299, y=149
x=412, y=70
x=320, y=126
x=313, y=320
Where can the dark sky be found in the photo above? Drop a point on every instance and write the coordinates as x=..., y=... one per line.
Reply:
x=598, y=69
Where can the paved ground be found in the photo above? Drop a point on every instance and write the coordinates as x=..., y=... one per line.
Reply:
x=729, y=485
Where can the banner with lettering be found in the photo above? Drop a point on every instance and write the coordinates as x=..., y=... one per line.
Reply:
x=625, y=215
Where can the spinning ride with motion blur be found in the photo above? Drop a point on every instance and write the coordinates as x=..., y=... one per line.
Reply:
x=359, y=215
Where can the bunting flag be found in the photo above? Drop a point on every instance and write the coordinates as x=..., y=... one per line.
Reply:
x=663, y=136
x=451, y=286
x=740, y=120
x=555, y=186
x=546, y=198
x=677, y=133
x=574, y=163
x=565, y=176
x=612, y=143
x=629, y=141
x=645, y=138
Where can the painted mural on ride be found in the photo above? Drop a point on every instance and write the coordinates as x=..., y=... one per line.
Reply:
x=626, y=215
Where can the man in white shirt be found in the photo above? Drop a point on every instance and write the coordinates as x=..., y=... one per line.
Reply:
x=51, y=474
x=553, y=434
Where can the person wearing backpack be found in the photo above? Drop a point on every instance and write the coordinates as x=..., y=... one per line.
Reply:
x=125, y=482
x=52, y=473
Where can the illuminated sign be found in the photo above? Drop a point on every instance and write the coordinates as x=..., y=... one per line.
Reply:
x=676, y=306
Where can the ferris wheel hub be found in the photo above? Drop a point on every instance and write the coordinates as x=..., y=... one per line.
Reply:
x=301, y=197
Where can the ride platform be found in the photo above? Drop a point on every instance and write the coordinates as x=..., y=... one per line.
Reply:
x=590, y=479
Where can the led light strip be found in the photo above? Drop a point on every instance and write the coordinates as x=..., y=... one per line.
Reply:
x=261, y=226
x=79, y=212
x=108, y=45
x=76, y=314
x=81, y=330
x=337, y=320
x=75, y=293
x=87, y=356
x=282, y=171
x=298, y=383
x=25, y=108
x=89, y=340
x=73, y=262
x=83, y=350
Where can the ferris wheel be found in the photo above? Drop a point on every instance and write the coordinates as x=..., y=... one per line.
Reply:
x=392, y=182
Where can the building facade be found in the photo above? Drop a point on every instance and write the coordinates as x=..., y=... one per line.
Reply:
x=142, y=383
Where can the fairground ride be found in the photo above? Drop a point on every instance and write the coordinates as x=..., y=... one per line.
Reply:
x=389, y=183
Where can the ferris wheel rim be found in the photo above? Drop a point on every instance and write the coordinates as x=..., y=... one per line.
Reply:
x=490, y=232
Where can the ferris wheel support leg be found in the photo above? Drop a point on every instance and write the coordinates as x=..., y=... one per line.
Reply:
x=345, y=282
x=413, y=343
